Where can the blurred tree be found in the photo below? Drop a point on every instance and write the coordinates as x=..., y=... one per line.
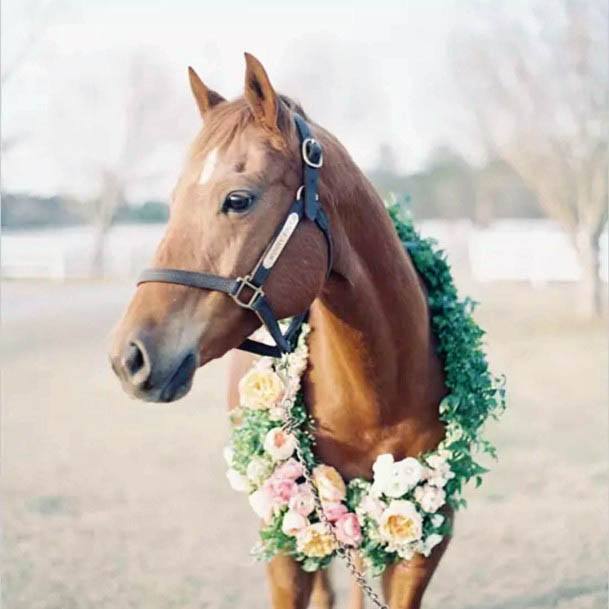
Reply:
x=537, y=86
x=149, y=123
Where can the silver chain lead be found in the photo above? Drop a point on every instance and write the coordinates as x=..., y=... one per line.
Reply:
x=343, y=551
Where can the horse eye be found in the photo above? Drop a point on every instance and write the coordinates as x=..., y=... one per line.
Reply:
x=238, y=201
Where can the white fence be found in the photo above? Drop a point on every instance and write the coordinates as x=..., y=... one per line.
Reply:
x=536, y=251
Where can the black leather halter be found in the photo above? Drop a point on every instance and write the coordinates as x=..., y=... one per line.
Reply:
x=248, y=291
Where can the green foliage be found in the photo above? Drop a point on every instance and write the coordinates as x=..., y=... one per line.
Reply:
x=248, y=437
x=274, y=540
x=474, y=393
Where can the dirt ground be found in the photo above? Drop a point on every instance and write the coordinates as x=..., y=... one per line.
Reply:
x=110, y=503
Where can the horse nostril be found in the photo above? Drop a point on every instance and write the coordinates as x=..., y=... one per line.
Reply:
x=136, y=364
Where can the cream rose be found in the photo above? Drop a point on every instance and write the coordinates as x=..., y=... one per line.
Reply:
x=330, y=484
x=400, y=523
x=315, y=541
x=260, y=389
x=279, y=444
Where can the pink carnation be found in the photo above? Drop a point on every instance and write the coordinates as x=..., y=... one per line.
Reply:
x=290, y=470
x=348, y=530
x=280, y=490
x=334, y=511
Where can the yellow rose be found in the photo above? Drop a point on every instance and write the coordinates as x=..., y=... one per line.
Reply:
x=330, y=484
x=315, y=541
x=260, y=389
x=401, y=523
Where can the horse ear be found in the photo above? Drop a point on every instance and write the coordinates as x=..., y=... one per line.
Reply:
x=260, y=95
x=206, y=98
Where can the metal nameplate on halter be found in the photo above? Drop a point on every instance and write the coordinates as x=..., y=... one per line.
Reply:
x=281, y=241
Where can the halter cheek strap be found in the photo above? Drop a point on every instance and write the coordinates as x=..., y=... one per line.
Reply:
x=248, y=291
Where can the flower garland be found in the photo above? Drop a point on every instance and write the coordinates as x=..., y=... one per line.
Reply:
x=397, y=514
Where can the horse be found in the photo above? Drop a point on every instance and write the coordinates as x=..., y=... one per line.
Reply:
x=374, y=380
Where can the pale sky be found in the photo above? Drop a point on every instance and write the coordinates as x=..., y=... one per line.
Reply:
x=370, y=72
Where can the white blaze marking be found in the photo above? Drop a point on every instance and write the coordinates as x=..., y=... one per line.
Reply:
x=281, y=240
x=208, y=166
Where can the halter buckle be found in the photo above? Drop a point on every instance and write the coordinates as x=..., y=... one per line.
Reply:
x=310, y=141
x=301, y=190
x=246, y=282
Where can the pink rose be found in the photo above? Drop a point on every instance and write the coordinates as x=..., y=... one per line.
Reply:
x=280, y=490
x=290, y=470
x=302, y=502
x=334, y=511
x=348, y=530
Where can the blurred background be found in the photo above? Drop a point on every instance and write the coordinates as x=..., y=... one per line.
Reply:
x=489, y=119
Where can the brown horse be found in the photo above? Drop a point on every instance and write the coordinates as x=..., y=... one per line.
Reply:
x=374, y=381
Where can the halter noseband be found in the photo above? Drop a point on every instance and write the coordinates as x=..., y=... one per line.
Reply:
x=247, y=291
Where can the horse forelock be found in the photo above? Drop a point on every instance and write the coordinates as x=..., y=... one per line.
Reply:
x=229, y=119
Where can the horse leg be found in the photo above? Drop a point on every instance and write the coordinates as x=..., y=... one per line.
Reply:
x=404, y=583
x=290, y=586
x=322, y=596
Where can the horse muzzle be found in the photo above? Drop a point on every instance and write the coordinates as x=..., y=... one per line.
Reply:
x=149, y=374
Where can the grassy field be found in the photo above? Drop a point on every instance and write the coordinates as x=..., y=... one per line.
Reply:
x=109, y=503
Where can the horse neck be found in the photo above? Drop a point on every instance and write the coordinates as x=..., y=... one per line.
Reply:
x=372, y=345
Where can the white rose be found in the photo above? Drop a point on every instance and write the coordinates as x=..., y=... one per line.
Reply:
x=258, y=469
x=237, y=481
x=426, y=545
x=293, y=522
x=279, y=444
x=430, y=498
x=394, y=479
x=262, y=504
x=401, y=523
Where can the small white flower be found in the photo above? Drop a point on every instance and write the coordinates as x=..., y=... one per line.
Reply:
x=437, y=520
x=262, y=504
x=258, y=469
x=405, y=551
x=237, y=481
x=279, y=444
x=425, y=546
x=371, y=506
x=439, y=472
x=430, y=498
x=293, y=522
